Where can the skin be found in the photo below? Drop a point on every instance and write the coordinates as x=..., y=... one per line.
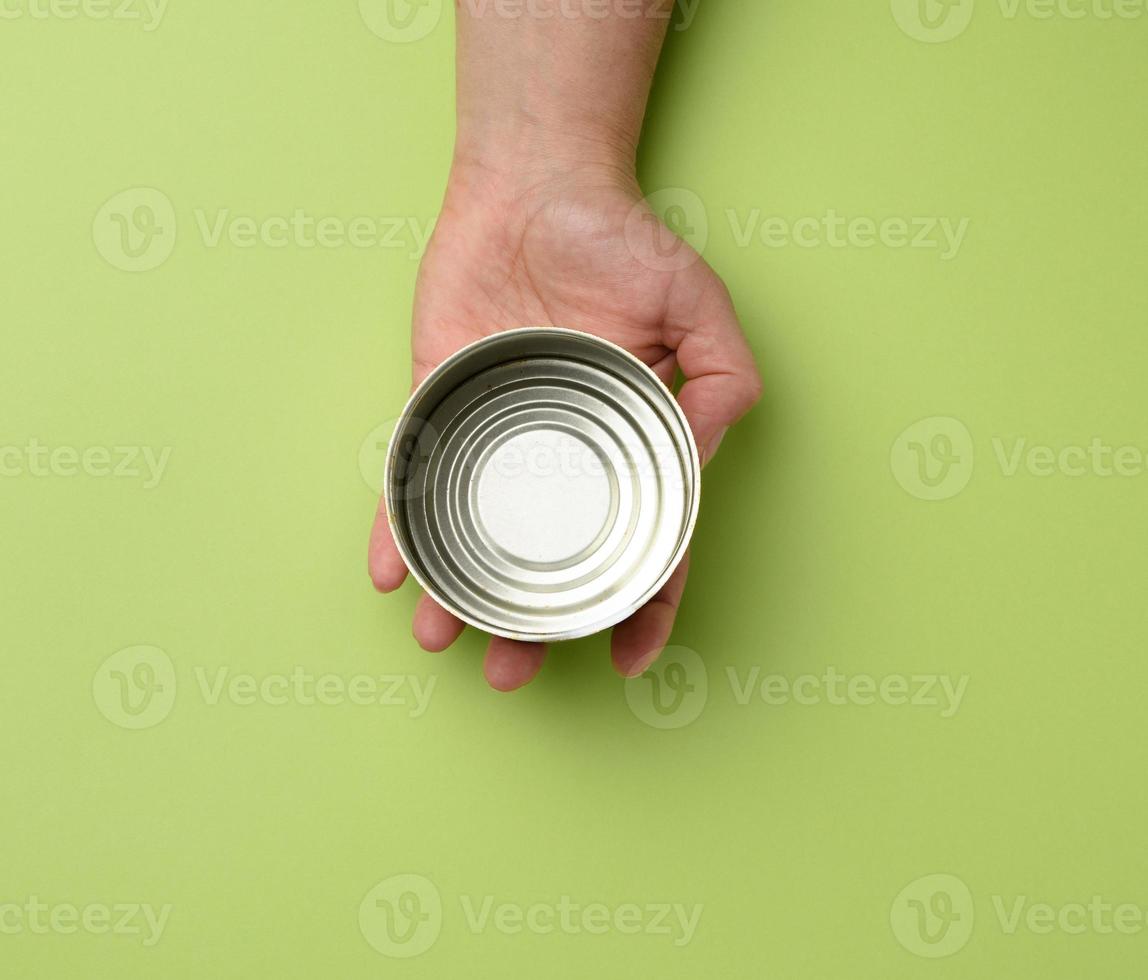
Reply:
x=543, y=224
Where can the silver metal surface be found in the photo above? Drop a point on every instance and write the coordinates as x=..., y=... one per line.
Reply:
x=542, y=484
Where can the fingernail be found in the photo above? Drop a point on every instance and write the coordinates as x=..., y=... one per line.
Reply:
x=712, y=448
x=643, y=665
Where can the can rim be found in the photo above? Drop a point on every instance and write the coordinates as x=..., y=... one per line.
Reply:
x=582, y=631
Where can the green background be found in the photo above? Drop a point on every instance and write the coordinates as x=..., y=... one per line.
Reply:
x=795, y=826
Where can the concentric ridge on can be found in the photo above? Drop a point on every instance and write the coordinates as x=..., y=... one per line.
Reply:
x=542, y=484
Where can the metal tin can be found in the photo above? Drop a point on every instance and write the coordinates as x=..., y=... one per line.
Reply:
x=542, y=484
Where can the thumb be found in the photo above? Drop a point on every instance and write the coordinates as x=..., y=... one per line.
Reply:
x=722, y=381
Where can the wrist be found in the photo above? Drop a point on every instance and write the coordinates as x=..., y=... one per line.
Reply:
x=544, y=95
x=514, y=160
x=518, y=141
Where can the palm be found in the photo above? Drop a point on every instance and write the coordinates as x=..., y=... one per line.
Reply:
x=588, y=257
x=565, y=262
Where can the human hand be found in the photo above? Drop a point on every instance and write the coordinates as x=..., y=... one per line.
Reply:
x=572, y=246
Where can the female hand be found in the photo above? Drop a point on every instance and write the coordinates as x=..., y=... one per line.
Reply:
x=580, y=249
x=543, y=224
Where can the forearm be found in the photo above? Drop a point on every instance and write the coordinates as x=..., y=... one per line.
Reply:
x=562, y=85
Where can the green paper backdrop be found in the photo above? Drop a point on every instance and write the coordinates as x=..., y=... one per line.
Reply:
x=901, y=732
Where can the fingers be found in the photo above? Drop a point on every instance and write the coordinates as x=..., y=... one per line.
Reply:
x=666, y=368
x=510, y=664
x=434, y=628
x=722, y=381
x=638, y=641
x=386, y=565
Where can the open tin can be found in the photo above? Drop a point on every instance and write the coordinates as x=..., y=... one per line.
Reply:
x=542, y=484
